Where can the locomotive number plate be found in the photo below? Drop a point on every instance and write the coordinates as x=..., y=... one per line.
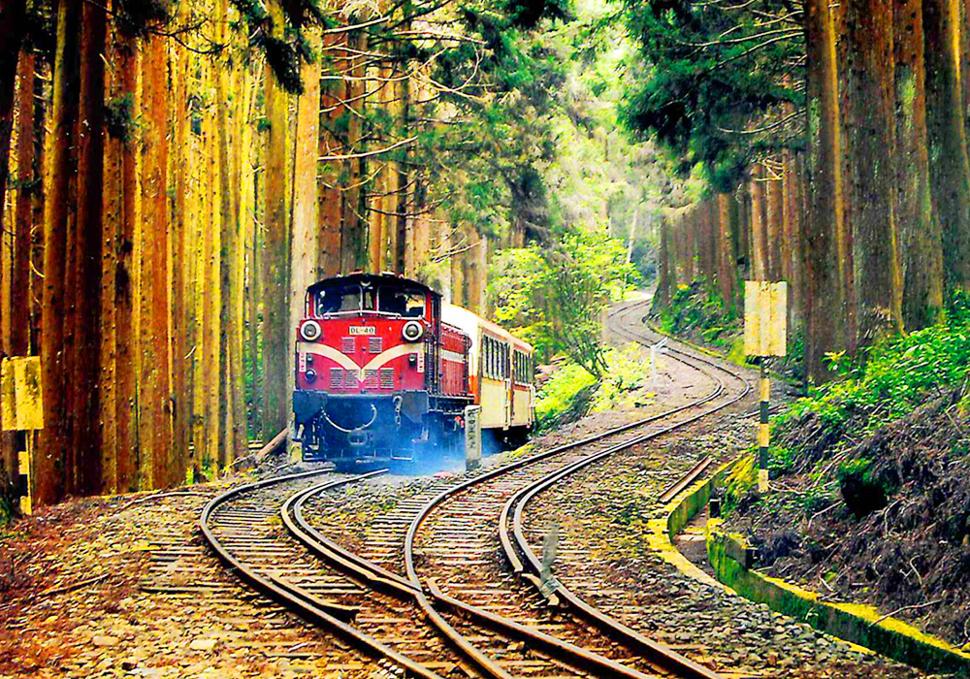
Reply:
x=362, y=330
x=420, y=361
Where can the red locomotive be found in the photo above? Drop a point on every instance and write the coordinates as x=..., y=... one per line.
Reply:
x=385, y=370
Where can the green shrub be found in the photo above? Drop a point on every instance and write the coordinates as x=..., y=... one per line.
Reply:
x=781, y=459
x=697, y=309
x=891, y=379
x=625, y=376
x=563, y=396
x=572, y=391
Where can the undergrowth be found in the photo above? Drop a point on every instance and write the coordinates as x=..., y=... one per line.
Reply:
x=572, y=392
x=820, y=434
x=697, y=311
x=889, y=380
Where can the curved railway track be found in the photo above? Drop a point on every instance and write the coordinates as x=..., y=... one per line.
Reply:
x=438, y=594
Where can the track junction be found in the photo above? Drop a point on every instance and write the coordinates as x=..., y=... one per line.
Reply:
x=444, y=599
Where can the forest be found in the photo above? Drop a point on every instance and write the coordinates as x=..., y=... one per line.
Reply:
x=174, y=174
x=832, y=141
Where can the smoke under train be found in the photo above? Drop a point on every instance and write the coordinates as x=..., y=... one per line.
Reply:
x=385, y=370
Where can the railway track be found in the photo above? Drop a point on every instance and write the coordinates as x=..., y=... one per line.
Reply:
x=435, y=592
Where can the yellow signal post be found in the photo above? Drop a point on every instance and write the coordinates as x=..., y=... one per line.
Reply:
x=765, y=334
x=21, y=410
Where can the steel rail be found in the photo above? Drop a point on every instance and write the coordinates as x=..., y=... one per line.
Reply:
x=334, y=615
x=517, y=503
x=665, y=656
x=686, y=480
x=293, y=597
x=369, y=573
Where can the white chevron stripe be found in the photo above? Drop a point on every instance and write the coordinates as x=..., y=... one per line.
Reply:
x=347, y=363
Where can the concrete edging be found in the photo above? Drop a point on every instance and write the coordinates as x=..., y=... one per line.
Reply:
x=856, y=623
x=679, y=511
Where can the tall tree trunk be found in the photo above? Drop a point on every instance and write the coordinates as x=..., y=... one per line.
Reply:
x=276, y=283
x=27, y=186
x=921, y=246
x=179, y=291
x=726, y=259
x=61, y=165
x=665, y=270
x=759, y=228
x=112, y=211
x=333, y=92
x=947, y=132
x=18, y=288
x=845, y=237
x=793, y=243
x=126, y=349
x=154, y=391
x=306, y=218
x=85, y=276
x=353, y=236
x=871, y=141
x=774, y=223
x=824, y=226
x=12, y=25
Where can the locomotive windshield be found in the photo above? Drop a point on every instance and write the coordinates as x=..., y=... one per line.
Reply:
x=365, y=296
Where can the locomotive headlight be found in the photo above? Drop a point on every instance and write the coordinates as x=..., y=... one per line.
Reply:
x=310, y=331
x=412, y=331
x=311, y=376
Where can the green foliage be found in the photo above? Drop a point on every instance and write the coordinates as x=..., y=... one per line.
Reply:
x=781, y=459
x=891, y=379
x=285, y=47
x=849, y=468
x=697, y=310
x=6, y=510
x=563, y=396
x=572, y=391
x=622, y=382
x=118, y=118
x=554, y=297
x=708, y=71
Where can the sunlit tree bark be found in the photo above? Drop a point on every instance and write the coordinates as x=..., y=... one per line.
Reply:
x=276, y=251
x=823, y=255
x=919, y=230
x=947, y=133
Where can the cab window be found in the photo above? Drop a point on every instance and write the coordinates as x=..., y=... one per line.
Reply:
x=338, y=299
x=403, y=302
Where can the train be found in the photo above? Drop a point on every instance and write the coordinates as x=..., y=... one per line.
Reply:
x=385, y=370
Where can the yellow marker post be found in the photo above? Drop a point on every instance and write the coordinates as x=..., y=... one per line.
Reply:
x=23, y=485
x=765, y=334
x=21, y=410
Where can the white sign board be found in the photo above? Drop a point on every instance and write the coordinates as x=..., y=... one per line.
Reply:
x=473, y=437
x=765, y=318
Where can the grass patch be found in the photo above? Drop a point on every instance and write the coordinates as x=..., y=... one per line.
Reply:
x=564, y=397
x=572, y=392
x=890, y=380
